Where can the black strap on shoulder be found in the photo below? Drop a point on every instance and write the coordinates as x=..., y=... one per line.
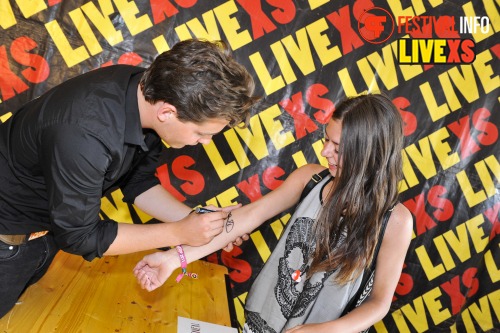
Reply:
x=315, y=179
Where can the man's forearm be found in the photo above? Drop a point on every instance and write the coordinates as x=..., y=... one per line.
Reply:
x=136, y=237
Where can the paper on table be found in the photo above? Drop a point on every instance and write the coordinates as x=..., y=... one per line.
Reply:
x=187, y=325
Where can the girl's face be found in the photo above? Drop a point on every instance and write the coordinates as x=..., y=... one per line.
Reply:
x=330, y=150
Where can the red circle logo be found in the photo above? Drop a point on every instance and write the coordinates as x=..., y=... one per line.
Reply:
x=376, y=25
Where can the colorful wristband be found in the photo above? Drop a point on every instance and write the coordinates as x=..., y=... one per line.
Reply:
x=182, y=258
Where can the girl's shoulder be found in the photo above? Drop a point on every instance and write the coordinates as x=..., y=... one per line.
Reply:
x=400, y=221
x=308, y=170
x=301, y=176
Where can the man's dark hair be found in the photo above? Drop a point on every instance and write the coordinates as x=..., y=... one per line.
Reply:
x=202, y=80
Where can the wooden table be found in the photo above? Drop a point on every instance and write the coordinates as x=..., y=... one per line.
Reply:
x=103, y=296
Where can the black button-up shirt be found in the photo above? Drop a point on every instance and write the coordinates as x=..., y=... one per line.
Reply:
x=62, y=151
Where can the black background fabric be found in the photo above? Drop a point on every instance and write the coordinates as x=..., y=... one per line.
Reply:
x=451, y=275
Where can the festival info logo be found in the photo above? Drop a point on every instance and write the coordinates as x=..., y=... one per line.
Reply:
x=428, y=39
x=376, y=25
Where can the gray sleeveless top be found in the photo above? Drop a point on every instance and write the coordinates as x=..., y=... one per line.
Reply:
x=283, y=295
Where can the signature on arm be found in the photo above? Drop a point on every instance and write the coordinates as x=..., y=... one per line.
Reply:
x=229, y=222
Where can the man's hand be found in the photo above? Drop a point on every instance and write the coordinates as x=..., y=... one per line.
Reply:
x=199, y=229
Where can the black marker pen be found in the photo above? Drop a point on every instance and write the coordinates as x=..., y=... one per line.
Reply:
x=201, y=210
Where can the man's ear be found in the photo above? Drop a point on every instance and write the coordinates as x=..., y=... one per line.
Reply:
x=165, y=111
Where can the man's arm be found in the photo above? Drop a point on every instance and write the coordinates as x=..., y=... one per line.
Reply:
x=194, y=229
x=154, y=269
x=162, y=205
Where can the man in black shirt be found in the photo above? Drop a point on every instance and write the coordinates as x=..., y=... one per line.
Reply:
x=60, y=152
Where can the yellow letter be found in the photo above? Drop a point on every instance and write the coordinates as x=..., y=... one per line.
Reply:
x=269, y=84
x=230, y=25
x=102, y=22
x=128, y=10
x=321, y=42
x=70, y=56
x=485, y=72
x=442, y=148
x=473, y=198
x=430, y=270
x=435, y=307
x=476, y=231
x=198, y=30
x=7, y=14
x=223, y=170
x=274, y=127
x=436, y=111
x=439, y=56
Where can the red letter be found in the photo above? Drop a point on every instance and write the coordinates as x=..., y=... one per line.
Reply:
x=444, y=27
x=194, y=181
x=470, y=281
x=461, y=129
x=10, y=84
x=437, y=199
x=423, y=221
x=453, y=46
x=468, y=54
x=39, y=68
x=261, y=24
x=186, y=3
x=287, y=12
x=130, y=58
x=492, y=216
x=325, y=106
x=164, y=177
x=162, y=8
x=452, y=288
x=295, y=107
x=270, y=177
x=241, y=270
x=251, y=188
x=342, y=21
x=488, y=132
x=410, y=120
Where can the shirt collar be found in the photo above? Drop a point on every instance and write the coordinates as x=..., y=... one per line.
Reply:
x=133, y=128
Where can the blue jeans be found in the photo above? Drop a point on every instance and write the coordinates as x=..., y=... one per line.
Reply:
x=21, y=266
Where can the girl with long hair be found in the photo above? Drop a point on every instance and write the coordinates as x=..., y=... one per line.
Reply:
x=328, y=244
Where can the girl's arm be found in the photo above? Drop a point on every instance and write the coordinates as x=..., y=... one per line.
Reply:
x=388, y=271
x=153, y=270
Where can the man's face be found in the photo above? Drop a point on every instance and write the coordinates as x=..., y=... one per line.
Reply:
x=178, y=134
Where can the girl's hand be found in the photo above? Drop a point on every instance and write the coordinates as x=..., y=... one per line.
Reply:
x=154, y=269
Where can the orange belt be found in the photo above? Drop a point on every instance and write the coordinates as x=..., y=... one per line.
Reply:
x=21, y=239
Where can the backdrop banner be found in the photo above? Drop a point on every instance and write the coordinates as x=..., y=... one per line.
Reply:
x=437, y=60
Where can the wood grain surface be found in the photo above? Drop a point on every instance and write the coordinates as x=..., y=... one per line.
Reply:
x=103, y=296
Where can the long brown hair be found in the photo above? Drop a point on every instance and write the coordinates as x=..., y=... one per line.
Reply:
x=370, y=152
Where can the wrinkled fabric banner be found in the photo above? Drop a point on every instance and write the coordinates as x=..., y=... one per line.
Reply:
x=437, y=60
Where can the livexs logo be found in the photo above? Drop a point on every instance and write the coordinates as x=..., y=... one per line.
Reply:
x=428, y=39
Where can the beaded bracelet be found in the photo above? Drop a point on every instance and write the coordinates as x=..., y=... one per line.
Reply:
x=182, y=258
